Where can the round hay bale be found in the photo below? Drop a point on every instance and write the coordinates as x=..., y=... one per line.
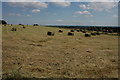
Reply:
x=50, y=33
x=97, y=33
x=70, y=34
x=35, y=25
x=78, y=30
x=110, y=31
x=71, y=30
x=83, y=31
x=87, y=35
x=93, y=34
x=13, y=29
x=60, y=31
x=23, y=27
x=20, y=24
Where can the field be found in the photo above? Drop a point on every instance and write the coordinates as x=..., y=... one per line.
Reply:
x=31, y=53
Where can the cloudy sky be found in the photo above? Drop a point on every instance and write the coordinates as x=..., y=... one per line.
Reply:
x=62, y=13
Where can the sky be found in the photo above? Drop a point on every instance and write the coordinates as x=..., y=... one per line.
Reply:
x=59, y=0
x=61, y=13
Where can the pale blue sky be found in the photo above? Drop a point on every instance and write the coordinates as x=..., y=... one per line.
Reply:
x=67, y=13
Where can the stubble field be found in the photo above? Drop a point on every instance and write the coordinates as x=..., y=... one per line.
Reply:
x=31, y=53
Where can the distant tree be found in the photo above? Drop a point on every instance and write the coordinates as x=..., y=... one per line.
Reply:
x=3, y=22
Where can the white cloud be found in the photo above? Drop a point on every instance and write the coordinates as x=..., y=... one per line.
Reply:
x=29, y=15
x=29, y=5
x=102, y=0
x=59, y=0
x=99, y=6
x=86, y=13
x=20, y=0
x=13, y=14
x=83, y=6
x=102, y=6
x=35, y=10
x=63, y=4
x=82, y=12
x=90, y=15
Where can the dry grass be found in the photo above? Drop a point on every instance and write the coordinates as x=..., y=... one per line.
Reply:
x=58, y=56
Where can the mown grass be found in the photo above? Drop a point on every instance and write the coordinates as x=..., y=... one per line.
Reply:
x=58, y=56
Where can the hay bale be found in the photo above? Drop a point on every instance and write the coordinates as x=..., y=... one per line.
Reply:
x=93, y=34
x=78, y=30
x=87, y=35
x=61, y=31
x=83, y=31
x=97, y=33
x=13, y=29
x=70, y=34
x=20, y=24
x=50, y=33
x=23, y=26
x=35, y=25
x=110, y=31
x=71, y=30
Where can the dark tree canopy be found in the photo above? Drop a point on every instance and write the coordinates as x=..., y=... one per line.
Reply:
x=3, y=22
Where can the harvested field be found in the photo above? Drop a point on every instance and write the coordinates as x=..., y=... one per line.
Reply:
x=35, y=54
